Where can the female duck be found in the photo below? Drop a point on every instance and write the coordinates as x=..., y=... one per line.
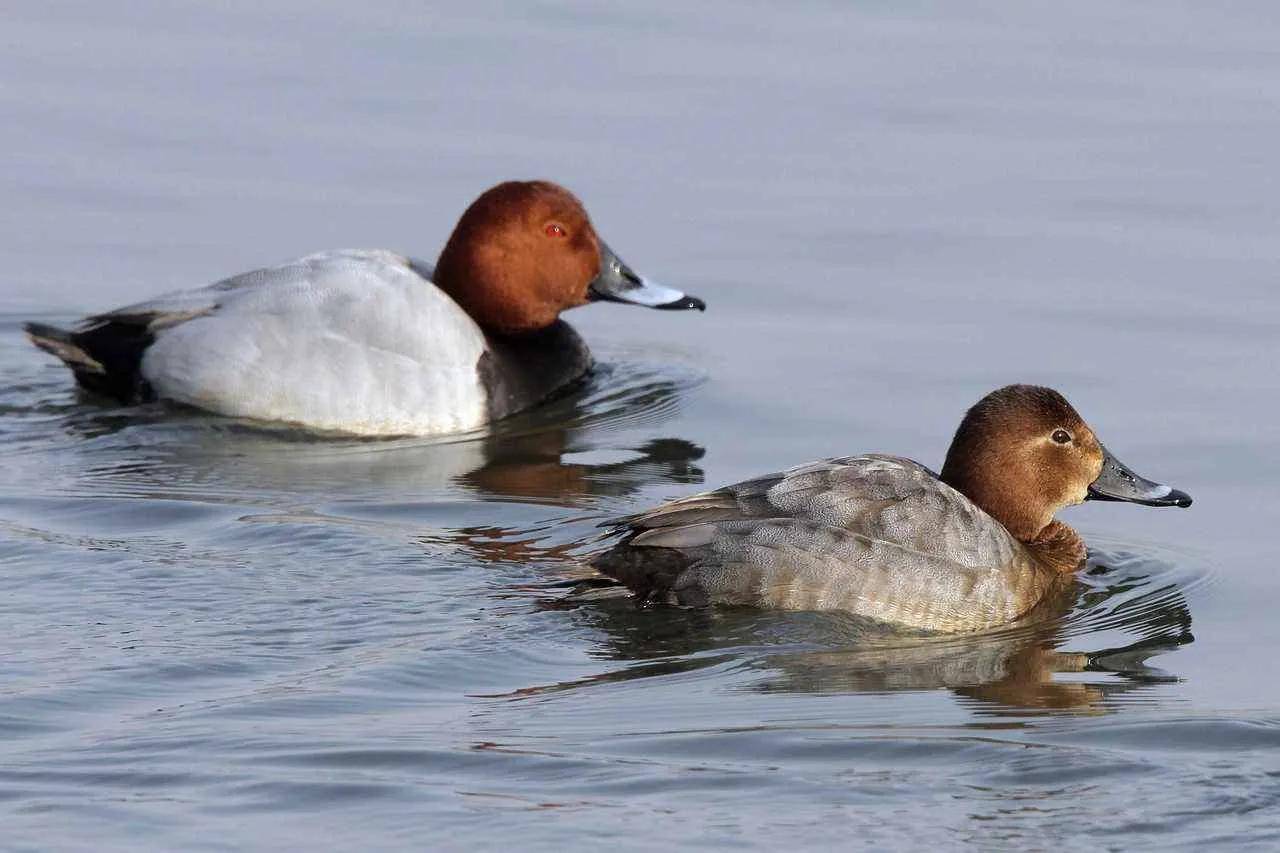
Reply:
x=371, y=342
x=887, y=538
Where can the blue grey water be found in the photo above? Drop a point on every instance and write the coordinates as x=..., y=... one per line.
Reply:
x=216, y=637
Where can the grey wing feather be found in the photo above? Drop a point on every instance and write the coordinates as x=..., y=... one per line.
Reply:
x=798, y=565
x=876, y=535
x=748, y=499
x=885, y=498
x=792, y=564
x=170, y=309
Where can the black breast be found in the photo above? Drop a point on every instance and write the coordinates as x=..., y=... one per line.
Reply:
x=519, y=371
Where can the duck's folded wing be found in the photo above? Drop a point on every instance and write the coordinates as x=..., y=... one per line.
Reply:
x=791, y=564
x=883, y=498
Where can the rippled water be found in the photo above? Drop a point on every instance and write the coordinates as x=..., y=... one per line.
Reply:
x=224, y=637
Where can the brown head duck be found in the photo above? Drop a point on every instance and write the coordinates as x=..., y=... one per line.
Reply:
x=885, y=537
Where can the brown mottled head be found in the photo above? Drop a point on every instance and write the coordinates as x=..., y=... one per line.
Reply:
x=526, y=250
x=1023, y=452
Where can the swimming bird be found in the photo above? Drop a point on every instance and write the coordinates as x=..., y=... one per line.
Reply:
x=887, y=538
x=370, y=342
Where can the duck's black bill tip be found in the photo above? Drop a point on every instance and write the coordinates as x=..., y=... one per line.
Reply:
x=684, y=303
x=1116, y=482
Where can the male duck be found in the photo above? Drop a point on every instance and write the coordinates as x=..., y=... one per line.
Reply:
x=887, y=538
x=371, y=342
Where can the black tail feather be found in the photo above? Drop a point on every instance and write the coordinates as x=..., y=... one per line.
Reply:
x=650, y=573
x=105, y=357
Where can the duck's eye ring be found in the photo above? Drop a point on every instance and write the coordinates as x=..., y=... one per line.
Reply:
x=1061, y=436
x=554, y=230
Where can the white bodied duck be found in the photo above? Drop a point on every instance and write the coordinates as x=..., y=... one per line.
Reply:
x=370, y=342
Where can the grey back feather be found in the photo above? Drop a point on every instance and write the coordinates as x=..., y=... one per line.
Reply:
x=873, y=534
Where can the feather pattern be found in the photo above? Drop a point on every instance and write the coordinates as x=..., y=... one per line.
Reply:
x=876, y=535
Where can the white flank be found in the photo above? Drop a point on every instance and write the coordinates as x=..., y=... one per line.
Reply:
x=352, y=341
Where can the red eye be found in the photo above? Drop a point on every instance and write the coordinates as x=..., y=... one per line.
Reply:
x=554, y=230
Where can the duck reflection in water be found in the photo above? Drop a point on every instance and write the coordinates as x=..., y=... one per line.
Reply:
x=571, y=452
x=1022, y=667
x=576, y=450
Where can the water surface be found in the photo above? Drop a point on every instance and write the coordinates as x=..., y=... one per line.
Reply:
x=222, y=637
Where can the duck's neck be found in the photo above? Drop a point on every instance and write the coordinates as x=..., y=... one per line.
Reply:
x=1057, y=547
x=521, y=370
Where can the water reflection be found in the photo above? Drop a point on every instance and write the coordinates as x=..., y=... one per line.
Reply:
x=593, y=443
x=1031, y=665
x=1084, y=651
x=546, y=466
x=1016, y=672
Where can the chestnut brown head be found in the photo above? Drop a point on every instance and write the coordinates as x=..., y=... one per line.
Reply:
x=526, y=250
x=1023, y=452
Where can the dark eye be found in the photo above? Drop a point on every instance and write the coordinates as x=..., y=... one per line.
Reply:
x=1061, y=436
x=554, y=230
